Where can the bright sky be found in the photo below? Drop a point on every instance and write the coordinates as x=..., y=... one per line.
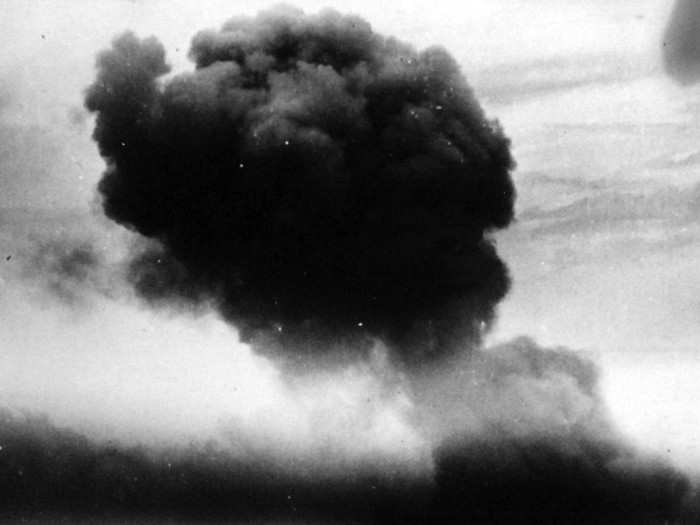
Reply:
x=604, y=253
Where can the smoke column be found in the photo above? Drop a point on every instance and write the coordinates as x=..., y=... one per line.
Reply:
x=313, y=179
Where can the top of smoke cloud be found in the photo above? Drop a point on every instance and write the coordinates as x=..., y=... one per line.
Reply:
x=310, y=177
x=681, y=42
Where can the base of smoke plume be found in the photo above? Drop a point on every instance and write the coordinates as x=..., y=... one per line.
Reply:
x=316, y=342
x=49, y=474
x=77, y=268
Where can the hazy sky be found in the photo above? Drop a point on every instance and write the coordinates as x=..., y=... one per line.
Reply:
x=603, y=253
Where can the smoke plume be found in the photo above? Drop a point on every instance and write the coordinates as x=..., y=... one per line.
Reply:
x=329, y=191
x=681, y=44
x=309, y=177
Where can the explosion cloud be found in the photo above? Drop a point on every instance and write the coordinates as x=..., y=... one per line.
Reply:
x=309, y=177
x=329, y=191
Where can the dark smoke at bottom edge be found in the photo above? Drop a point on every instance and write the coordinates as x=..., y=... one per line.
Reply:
x=50, y=475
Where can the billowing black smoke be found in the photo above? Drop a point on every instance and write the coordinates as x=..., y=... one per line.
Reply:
x=309, y=177
x=681, y=43
x=318, y=184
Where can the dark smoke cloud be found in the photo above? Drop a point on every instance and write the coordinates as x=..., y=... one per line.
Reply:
x=319, y=183
x=310, y=176
x=51, y=471
x=546, y=481
x=528, y=439
x=553, y=459
x=681, y=44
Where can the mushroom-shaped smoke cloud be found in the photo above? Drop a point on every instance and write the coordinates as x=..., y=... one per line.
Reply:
x=311, y=178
